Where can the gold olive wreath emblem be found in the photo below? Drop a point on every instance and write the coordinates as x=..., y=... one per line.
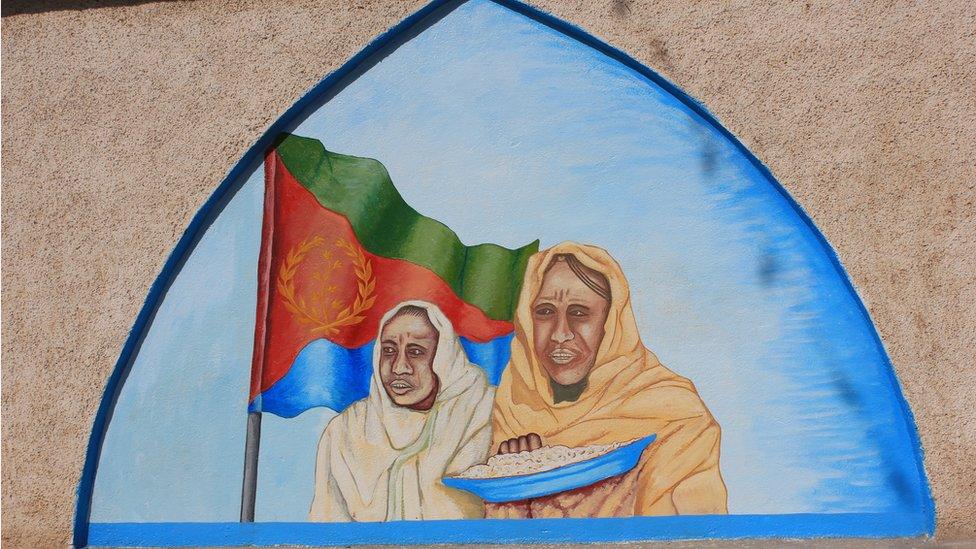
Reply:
x=320, y=311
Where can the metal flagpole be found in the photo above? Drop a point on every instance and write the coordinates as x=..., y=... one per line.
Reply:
x=252, y=443
x=251, y=446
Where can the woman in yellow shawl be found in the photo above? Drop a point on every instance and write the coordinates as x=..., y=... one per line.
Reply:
x=579, y=374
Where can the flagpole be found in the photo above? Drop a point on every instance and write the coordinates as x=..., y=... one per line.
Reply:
x=251, y=446
x=252, y=443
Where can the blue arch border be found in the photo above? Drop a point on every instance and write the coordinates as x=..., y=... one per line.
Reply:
x=538, y=530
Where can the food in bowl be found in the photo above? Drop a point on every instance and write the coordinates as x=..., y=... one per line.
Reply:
x=542, y=459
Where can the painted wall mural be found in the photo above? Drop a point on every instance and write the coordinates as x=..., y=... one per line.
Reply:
x=496, y=281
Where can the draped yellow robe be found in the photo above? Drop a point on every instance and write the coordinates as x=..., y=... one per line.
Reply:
x=629, y=395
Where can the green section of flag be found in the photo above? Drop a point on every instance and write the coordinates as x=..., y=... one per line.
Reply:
x=487, y=276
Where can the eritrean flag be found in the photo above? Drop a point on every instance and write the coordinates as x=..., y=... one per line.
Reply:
x=339, y=248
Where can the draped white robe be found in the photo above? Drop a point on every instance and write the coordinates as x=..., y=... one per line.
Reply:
x=378, y=461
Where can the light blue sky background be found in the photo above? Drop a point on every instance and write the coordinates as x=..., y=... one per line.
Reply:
x=508, y=131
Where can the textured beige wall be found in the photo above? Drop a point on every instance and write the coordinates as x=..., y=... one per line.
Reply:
x=118, y=121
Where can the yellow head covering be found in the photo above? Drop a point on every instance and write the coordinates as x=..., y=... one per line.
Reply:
x=629, y=393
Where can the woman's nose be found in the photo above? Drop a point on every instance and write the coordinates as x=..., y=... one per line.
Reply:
x=561, y=332
x=401, y=365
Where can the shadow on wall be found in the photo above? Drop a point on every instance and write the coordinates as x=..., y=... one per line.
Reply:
x=21, y=7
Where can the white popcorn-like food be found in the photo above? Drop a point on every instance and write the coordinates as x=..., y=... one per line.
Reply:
x=546, y=458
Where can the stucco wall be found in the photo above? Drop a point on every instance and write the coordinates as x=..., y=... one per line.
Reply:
x=118, y=122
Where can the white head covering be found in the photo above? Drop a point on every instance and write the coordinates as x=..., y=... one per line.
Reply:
x=381, y=461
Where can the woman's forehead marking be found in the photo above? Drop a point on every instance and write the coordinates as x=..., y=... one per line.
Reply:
x=427, y=332
x=580, y=295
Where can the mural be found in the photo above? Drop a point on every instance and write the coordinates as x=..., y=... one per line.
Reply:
x=495, y=281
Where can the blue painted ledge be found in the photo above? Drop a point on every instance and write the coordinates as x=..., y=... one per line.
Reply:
x=167, y=534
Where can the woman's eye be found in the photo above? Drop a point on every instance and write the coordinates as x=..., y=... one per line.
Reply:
x=389, y=350
x=416, y=352
x=544, y=311
x=578, y=313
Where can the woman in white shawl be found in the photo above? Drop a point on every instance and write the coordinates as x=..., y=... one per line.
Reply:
x=383, y=457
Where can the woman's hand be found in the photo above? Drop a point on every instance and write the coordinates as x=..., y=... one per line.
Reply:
x=523, y=443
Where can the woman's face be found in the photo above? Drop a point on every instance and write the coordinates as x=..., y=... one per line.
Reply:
x=567, y=325
x=407, y=347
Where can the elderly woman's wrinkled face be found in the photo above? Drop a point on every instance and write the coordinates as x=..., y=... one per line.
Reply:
x=567, y=325
x=408, y=344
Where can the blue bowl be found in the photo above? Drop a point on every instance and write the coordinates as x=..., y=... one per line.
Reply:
x=568, y=477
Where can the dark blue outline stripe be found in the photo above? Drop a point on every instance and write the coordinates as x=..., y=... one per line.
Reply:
x=331, y=84
x=204, y=534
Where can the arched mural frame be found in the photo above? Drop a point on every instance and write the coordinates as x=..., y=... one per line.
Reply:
x=499, y=531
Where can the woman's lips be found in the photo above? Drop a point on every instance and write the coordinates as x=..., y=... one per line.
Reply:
x=400, y=387
x=562, y=356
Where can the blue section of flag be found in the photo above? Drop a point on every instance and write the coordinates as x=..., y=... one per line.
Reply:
x=492, y=356
x=327, y=374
